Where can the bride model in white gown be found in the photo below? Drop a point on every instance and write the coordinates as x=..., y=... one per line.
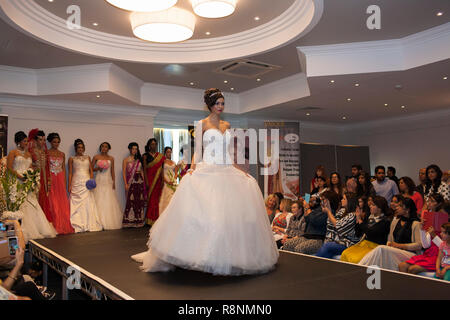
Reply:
x=34, y=223
x=108, y=207
x=216, y=221
x=83, y=211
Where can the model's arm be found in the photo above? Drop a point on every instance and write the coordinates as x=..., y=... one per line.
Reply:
x=94, y=161
x=91, y=168
x=144, y=162
x=63, y=166
x=197, y=146
x=124, y=173
x=113, y=173
x=10, y=162
x=70, y=174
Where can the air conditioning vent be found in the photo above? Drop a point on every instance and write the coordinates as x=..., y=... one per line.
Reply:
x=309, y=109
x=246, y=69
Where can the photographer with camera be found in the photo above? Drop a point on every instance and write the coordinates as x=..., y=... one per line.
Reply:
x=12, y=261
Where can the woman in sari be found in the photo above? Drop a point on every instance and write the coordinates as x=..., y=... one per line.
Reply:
x=39, y=154
x=133, y=177
x=153, y=175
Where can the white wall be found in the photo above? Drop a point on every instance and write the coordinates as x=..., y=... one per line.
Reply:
x=408, y=143
x=93, y=124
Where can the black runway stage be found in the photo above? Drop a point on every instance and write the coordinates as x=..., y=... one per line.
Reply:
x=108, y=272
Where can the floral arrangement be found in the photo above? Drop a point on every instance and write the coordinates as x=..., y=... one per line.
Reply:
x=14, y=191
x=91, y=184
x=103, y=164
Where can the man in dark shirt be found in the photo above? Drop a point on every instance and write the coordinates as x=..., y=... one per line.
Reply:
x=421, y=187
x=391, y=175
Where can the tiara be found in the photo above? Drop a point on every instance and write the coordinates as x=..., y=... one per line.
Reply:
x=215, y=93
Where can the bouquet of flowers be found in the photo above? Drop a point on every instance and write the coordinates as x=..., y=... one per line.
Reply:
x=103, y=164
x=14, y=191
x=91, y=184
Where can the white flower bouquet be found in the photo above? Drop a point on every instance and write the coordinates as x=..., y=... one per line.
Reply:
x=15, y=191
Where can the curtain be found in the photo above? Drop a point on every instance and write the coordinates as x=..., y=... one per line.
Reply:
x=158, y=134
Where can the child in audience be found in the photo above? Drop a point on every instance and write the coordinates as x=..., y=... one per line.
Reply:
x=443, y=260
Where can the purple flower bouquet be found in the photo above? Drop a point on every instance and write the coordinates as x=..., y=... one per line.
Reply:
x=90, y=184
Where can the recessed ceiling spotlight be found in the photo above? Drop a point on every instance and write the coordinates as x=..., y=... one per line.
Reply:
x=349, y=99
x=356, y=84
x=232, y=89
x=208, y=33
x=256, y=18
x=445, y=78
x=439, y=13
x=98, y=96
x=344, y=118
x=403, y=107
x=332, y=81
x=191, y=83
x=258, y=79
x=226, y=81
x=308, y=114
x=50, y=0
x=95, y=24
x=385, y=104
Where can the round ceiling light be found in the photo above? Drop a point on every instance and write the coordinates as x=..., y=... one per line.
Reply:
x=173, y=25
x=143, y=5
x=213, y=8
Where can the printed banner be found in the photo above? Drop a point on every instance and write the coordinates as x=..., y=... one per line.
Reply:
x=287, y=179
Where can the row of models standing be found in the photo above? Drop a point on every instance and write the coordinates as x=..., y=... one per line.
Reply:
x=90, y=206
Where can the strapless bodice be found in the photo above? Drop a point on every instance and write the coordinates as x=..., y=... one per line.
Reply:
x=21, y=164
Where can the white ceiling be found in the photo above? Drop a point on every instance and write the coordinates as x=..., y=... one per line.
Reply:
x=343, y=21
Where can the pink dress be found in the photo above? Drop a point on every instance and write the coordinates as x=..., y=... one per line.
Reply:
x=59, y=203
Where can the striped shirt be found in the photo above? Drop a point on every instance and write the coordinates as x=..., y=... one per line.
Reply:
x=344, y=231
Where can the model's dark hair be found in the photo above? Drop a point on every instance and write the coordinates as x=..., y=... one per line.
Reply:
x=167, y=148
x=378, y=168
x=78, y=142
x=52, y=136
x=147, y=146
x=211, y=96
x=137, y=156
x=19, y=137
x=409, y=184
x=40, y=133
x=107, y=143
x=437, y=182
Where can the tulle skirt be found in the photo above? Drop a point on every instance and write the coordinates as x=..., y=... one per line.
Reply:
x=216, y=222
x=34, y=222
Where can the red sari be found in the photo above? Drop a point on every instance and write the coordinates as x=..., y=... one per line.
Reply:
x=154, y=172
